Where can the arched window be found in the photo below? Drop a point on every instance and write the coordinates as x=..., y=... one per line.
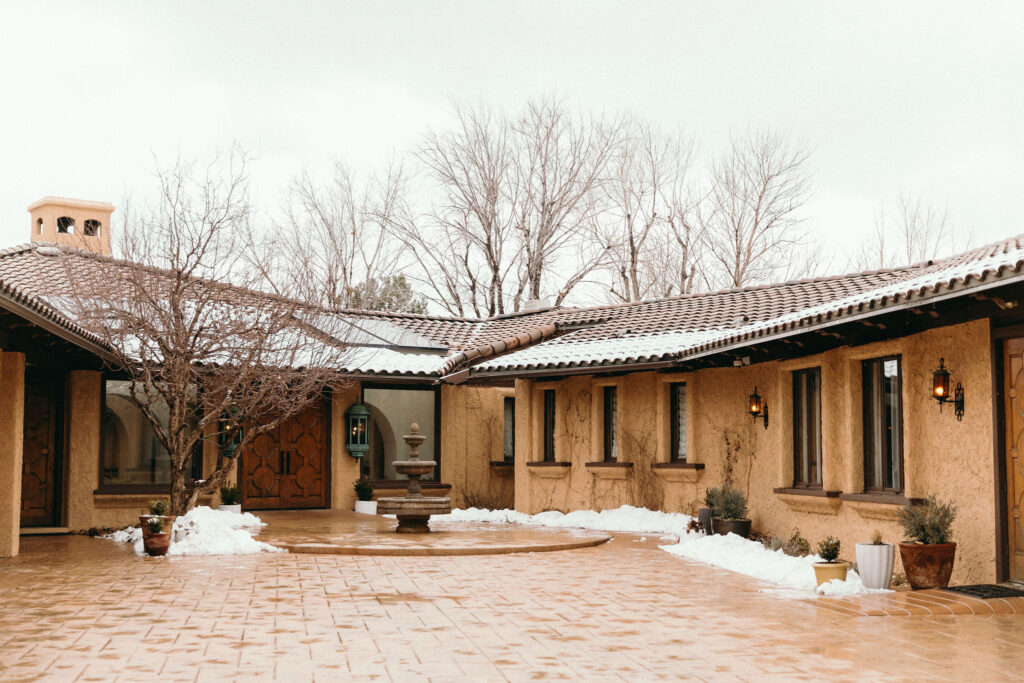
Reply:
x=39, y=226
x=92, y=228
x=65, y=225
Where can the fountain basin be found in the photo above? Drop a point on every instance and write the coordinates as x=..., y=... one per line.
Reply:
x=419, y=467
x=413, y=513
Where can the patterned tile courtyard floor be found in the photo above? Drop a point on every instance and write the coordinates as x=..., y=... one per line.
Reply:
x=75, y=608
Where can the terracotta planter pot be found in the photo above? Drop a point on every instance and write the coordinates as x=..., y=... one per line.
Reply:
x=157, y=544
x=740, y=527
x=874, y=564
x=928, y=565
x=826, y=571
x=168, y=524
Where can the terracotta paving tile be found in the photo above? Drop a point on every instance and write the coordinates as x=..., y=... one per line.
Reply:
x=87, y=609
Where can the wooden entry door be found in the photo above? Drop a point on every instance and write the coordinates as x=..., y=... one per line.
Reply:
x=286, y=468
x=1013, y=373
x=40, y=465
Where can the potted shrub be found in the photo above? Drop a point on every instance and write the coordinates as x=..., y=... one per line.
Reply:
x=875, y=560
x=157, y=510
x=730, y=506
x=831, y=567
x=156, y=541
x=365, y=503
x=230, y=499
x=929, y=553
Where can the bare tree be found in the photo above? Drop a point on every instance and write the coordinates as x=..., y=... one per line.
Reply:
x=336, y=230
x=517, y=209
x=202, y=359
x=561, y=163
x=650, y=216
x=919, y=231
x=751, y=215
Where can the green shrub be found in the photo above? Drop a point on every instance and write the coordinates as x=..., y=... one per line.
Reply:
x=158, y=507
x=156, y=525
x=930, y=522
x=364, y=489
x=828, y=549
x=727, y=502
x=230, y=495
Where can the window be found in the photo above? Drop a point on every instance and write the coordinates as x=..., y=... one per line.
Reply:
x=883, y=425
x=39, y=226
x=510, y=429
x=677, y=417
x=132, y=455
x=393, y=409
x=611, y=409
x=65, y=225
x=807, y=428
x=549, y=425
x=92, y=228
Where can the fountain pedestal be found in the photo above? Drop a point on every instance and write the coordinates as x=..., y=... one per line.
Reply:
x=414, y=509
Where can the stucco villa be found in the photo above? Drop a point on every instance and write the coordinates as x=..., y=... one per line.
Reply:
x=814, y=396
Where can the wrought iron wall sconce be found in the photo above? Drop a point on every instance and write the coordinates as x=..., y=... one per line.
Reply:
x=941, y=392
x=758, y=407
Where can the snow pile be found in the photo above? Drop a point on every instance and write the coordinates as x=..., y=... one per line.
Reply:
x=753, y=559
x=625, y=518
x=204, y=531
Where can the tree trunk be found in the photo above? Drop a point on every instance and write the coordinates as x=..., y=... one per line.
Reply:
x=179, y=494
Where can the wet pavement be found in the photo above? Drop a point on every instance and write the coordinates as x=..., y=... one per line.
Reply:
x=76, y=608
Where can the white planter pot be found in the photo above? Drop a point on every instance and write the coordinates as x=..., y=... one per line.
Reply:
x=874, y=564
x=366, y=507
x=231, y=508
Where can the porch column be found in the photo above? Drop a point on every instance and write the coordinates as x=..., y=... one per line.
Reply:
x=12, y=412
x=84, y=420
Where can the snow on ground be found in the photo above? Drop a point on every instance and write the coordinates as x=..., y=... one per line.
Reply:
x=205, y=531
x=625, y=518
x=728, y=552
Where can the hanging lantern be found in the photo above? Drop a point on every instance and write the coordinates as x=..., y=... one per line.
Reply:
x=941, y=393
x=357, y=437
x=758, y=407
x=229, y=434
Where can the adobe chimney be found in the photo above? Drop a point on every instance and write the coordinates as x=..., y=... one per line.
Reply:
x=72, y=222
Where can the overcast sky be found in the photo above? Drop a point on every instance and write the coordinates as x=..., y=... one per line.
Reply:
x=924, y=98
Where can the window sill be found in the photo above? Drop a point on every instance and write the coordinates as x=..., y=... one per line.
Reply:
x=503, y=468
x=883, y=506
x=812, y=500
x=107, y=499
x=549, y=470
x=689, y=472
x=610, y=470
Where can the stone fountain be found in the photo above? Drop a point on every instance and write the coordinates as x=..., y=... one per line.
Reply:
x=414, y=509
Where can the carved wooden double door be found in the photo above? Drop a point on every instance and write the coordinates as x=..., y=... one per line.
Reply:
x=40, y=464
x=287, y=467
x=1013, y=371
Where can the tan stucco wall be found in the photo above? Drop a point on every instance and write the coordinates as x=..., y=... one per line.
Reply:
x=942, y=457
x=12, y=407
x=344, y=468
x=472, y=432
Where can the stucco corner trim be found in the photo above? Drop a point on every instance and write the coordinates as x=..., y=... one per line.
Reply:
x=689, y=472
x=814, y=501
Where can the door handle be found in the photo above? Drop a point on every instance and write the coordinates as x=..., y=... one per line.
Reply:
x=288, y=461
x=280, y=461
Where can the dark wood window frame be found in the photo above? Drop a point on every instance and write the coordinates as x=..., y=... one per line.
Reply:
x=677, y=441
x=609, y=422
x=870, y=485
x=548, y=417
x=505, y=403
x=113, y=489
x=807, y=429
x=385, y=483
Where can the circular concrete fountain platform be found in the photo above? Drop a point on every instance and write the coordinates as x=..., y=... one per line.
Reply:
x=332, y=532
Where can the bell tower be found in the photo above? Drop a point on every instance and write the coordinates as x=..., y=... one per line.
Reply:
x=72, y=222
